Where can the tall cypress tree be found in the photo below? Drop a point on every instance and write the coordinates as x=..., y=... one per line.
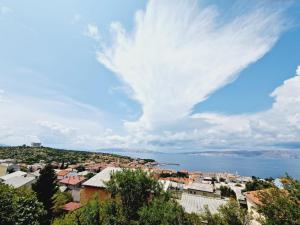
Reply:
x=45, y=188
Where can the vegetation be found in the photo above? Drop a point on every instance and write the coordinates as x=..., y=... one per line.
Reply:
x=227, y=192
x=59, y=200
x=30, y=155
x=281, y=206
x=257, y=184
x=163, y=211
x=134, y=188
x=138, y=199
x=19, y=207
x=45, y=189
x=228, y=214
x=178, y=174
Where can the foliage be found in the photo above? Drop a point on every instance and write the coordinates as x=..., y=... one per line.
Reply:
x=94, y=213
x=45, y=188
x=281, y=206
x=178, y=174
x=89, y=175
x=30, y=155
x=160, y=211
x=80, y=168
x=227, y=192
x=19, y=207
x=228, y=214
x=257, y=184
x=135, y=188
x=59, y=200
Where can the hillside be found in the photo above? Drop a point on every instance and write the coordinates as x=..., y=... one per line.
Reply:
x=29, y=155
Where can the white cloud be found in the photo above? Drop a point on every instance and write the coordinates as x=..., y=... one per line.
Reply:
x=59, y=123
x=178, y=54
x=92, y=31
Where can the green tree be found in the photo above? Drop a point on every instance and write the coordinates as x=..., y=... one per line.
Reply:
x=279, y=207
x=27, y=208
x=135, y=188
x=6, y=208
x=112, y=213
x=59, y=200
x=45, y=188
x=257, y=184
x=227, y=192
x=19, y=207
x=228, y=214
x=162, y=211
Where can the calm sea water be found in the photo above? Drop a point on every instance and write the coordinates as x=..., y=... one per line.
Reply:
x=257, y=166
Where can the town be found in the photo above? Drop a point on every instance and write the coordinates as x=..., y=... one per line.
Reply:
x=195, y=191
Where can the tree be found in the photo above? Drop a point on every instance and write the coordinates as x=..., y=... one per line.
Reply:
x=19, y=207
x=112, y=213
x=279, y=207
x=6, y=208
x=227, y=192
x=162, y=211
x=45, y=188
x=257, y=184
x=59, y=200
x=228, y=214
x=27, y=208
x=135, y=188
x=80, y=168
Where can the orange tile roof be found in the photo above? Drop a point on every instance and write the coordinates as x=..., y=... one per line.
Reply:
x=71, y=206
x=74, y=180
x=63, y=173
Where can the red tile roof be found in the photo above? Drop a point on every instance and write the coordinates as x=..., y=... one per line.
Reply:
x=63, y=173
x=74, y=180
x=71, y=206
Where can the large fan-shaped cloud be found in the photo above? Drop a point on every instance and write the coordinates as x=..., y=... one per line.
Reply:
x=179, y=53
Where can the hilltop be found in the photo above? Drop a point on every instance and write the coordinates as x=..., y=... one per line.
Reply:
x=30, y=155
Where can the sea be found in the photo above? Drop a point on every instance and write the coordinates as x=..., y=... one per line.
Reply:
x=259, y=166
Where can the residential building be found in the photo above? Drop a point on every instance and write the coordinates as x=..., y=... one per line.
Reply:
x=196, y=203
x=73, y=183
x=21, y=181
x=96, y=186
x=203, y=189
x=36, y=144
x=12, y=175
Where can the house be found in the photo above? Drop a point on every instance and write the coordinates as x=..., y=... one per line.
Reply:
x=12, y=175
x=61, y=174
x=21, y=181
x=96, y=186
x=36, y=144
x=71, y=206
x=197, y=203
x=201, y=189
x=73, y=183
x=8, y=167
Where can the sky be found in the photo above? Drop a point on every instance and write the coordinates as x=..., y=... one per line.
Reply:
x=172, y=75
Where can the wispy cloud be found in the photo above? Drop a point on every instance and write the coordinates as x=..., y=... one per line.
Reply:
x=92, y=31
x=178, y=54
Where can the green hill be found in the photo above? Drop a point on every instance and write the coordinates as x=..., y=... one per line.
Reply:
x=29, y=155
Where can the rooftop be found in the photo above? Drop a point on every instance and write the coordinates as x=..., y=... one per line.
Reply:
x=196, y=204
x=73, y=180
x=20, y=181
x=200, y=187
x=100, y=178
x=14, y=174
x=71, y=206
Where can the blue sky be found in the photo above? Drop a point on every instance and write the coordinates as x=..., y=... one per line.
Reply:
x=132, y=74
